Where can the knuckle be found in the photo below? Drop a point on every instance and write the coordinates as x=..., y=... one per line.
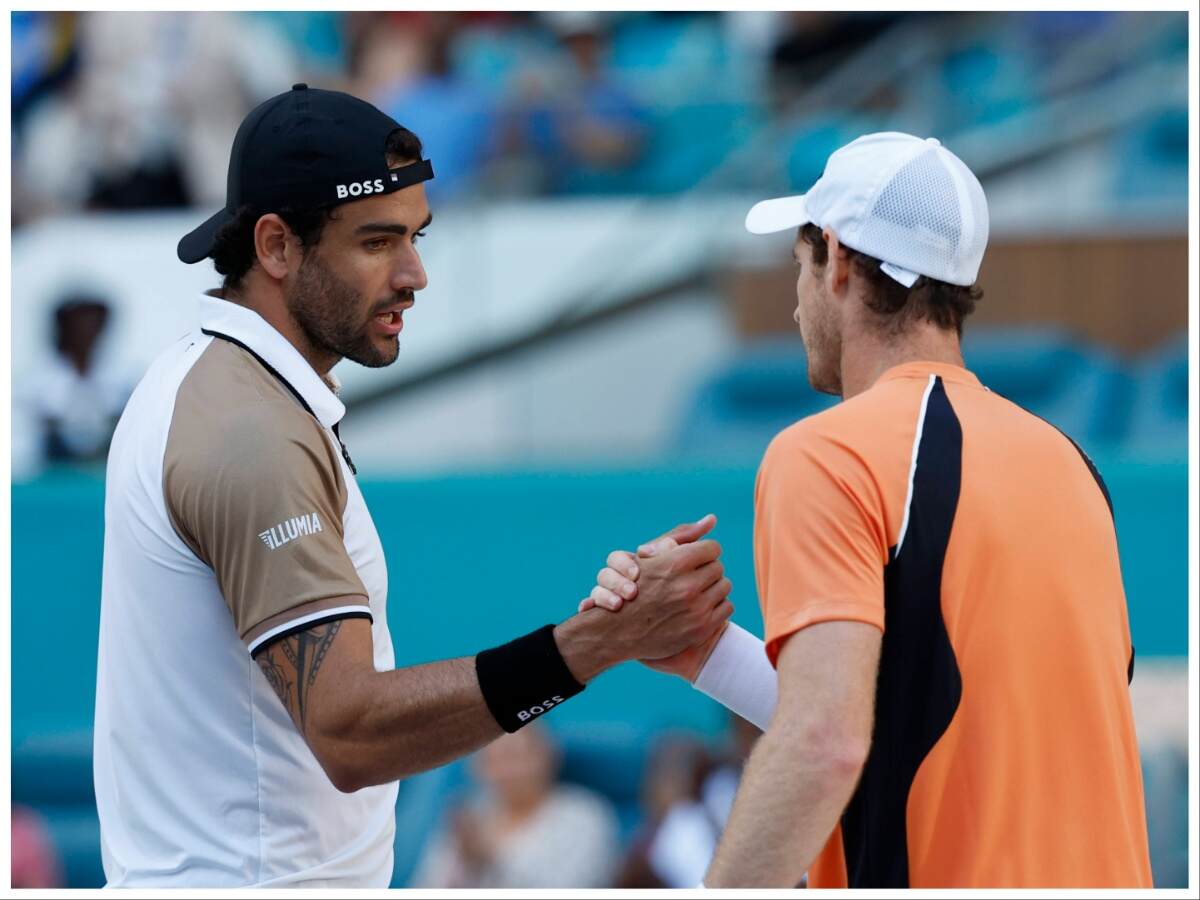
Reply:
x=618, y=559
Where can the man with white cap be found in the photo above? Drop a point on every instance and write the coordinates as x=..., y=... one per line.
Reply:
x=939, y=580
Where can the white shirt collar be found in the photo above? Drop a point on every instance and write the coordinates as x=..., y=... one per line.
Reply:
x=248, y=327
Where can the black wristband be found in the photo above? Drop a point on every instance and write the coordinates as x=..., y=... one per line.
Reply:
x=522, y=679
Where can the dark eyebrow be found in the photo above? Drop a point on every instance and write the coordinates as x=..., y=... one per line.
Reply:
x=385, y=228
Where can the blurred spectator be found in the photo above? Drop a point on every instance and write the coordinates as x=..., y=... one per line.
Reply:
x=687, y=837
x=687, y=796
x=672, y=779
x=721, y=781
x=524, y=830
x=316, y=37
x=75, y=401
x=812, y=44
x=35, y=862
x=147, y=118
x=454, y=118
x=573, y=115
x=43, y=57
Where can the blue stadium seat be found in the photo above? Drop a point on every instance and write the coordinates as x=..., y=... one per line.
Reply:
x=1159, y=420
x=737, y=411
x=1150, y=159
x=654, y=45
x=986, y=83
x=658, y=58
x=765, y=388
x=608, y=759
x=809, y=145
x=1077, y=388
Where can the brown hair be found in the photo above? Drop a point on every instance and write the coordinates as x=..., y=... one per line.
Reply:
x=943, y=304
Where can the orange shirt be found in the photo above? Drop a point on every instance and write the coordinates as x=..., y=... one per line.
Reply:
x=980, y=540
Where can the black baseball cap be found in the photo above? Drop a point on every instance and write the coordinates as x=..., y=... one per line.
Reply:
x=306, y=149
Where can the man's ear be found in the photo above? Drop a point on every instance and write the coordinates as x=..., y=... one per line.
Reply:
x=274, y=245
x=837, y=269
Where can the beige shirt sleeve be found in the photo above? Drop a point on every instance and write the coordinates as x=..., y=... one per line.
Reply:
x=258, y=495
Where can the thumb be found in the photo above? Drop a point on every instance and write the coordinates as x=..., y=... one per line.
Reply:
x=689, y=532
x=654, y=548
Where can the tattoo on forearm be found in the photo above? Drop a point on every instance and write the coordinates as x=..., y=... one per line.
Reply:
x=300, y=658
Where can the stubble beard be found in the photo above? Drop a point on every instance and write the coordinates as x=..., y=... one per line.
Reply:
x=328, y=311
x=823, y=344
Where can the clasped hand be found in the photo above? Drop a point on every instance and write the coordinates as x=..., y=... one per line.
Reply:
x=678, y=557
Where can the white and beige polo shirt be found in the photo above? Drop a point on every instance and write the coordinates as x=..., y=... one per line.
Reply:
x=232, y=518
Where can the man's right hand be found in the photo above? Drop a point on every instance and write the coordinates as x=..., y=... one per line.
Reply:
x=682, y=602
x=616, y=585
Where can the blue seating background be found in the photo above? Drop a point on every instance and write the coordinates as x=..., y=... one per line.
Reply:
x=1135, y=408
x=473, y=560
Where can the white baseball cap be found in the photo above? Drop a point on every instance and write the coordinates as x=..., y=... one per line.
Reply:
x=908, y=202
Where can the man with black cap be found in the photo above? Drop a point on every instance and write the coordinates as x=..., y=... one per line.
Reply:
x=241, y=565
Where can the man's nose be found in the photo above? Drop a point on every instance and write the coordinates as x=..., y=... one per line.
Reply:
x=410, y=274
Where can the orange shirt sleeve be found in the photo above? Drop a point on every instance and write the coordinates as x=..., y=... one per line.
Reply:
x=820, y=538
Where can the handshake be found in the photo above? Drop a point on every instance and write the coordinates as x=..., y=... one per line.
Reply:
x=666, y=606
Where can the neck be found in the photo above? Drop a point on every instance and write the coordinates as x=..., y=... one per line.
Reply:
x=871, y=353
x=271, y=306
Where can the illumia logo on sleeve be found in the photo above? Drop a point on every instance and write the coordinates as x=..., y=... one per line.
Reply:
x=297, y=526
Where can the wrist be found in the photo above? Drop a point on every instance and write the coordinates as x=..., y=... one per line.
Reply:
x=738, y=675
x=705, y=654
x=583, y=647
x=525, y=678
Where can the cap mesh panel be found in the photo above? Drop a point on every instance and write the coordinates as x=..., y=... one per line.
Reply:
x=915, y=221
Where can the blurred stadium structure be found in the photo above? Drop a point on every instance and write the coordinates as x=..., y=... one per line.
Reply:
x=602, y=352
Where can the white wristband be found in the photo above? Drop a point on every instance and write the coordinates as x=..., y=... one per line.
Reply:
x=739, y=676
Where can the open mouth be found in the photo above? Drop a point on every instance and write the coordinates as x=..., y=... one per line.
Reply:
x=390, y=322
x=391, y=317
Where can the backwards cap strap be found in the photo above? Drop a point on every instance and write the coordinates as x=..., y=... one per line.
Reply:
x=407, y=176
x=314, y=195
